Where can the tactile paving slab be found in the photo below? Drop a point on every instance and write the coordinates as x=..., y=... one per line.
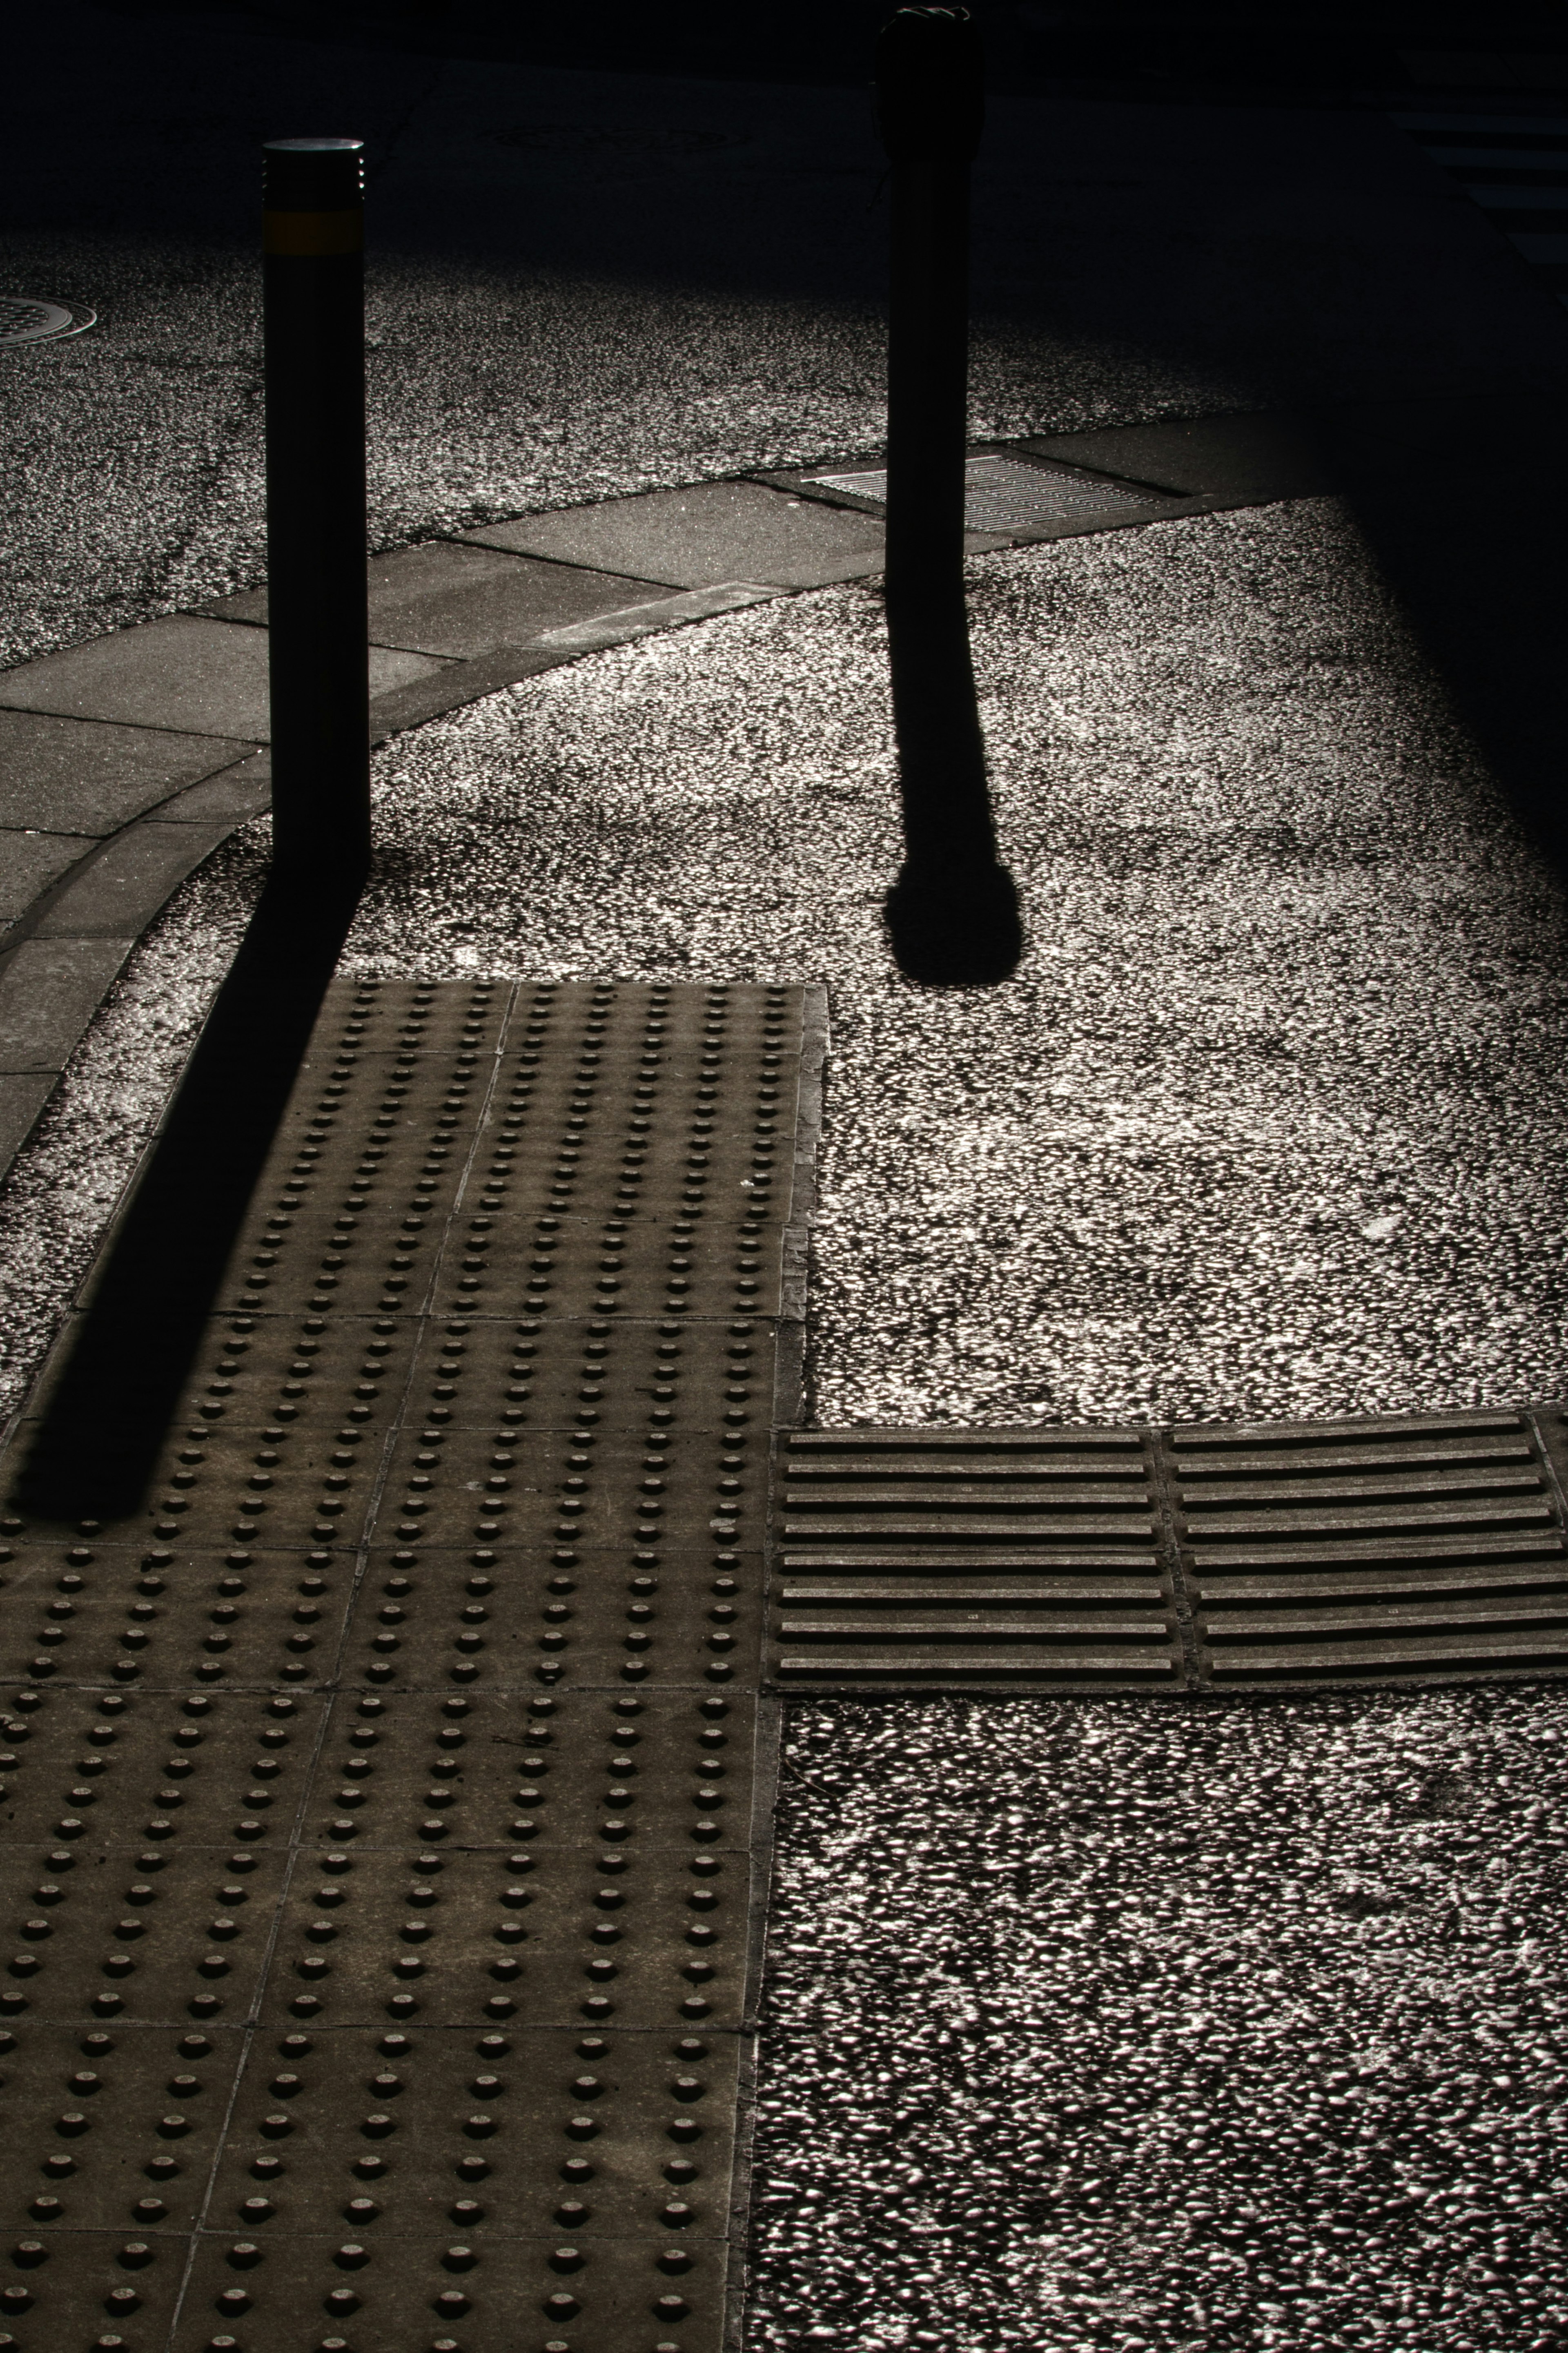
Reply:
x=1208, y=1556
x=385, y=1801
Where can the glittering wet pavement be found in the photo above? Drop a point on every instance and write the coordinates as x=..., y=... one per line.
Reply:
x=1268, y=1122
x=1253, y=2035
x=1193, y=2023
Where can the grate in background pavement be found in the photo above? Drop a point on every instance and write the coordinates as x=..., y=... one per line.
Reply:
x=379, y=1806
x=1210, y=1556
x=1010, y=494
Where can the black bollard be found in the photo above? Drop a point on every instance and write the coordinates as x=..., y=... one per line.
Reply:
x=952, y=914
x=313, y=306
x=106, y=1423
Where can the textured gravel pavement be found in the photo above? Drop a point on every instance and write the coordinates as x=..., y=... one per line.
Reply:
x=1162, y=2030
x=1199, y=2027
x=1269, y=1122
x=1096, y=2025
x=581, y=284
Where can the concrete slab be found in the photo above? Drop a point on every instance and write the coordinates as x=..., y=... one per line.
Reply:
x=1246, y=459
x=457, y=683
x=234, y=793
x=697, y=538
x=120, y=893
x=76, y=776
x=442, y=598
x=192, y=676
x=21, y=1098
x=454, y=685
x=50, y=991
x=665, y=613
x=30, y=862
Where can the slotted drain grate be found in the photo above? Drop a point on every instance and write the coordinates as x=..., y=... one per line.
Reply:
x=379, y=1802
x=969, y=1555
x=1215, y=1555
x=1010, y=494
x=29, y=319
x=1392, y=1547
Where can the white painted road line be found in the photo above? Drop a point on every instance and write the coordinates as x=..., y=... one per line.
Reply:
x=1518, y=200
x=1538, y=244
x=1504, y=159
x=1474, y=123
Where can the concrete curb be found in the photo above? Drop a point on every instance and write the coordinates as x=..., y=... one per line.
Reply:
x=129, y=759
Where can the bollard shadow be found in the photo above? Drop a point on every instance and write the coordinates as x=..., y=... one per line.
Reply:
x=107, y=1415
x=962, y=930
x=952, y=914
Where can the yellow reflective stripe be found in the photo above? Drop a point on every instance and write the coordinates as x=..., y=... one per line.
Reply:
x=313, y=232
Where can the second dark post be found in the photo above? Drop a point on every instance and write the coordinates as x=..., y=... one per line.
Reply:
x=954, y=911
x=313, y=302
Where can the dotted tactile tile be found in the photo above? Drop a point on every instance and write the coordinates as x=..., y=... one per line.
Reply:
x=380, y=1816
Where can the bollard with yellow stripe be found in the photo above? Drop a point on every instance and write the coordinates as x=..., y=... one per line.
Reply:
x=313, y=312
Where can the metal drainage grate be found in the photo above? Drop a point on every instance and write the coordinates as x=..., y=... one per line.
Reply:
x=1218, y=1556
x=1008, y=494
x=942, y=1557
x=378, y=1804
x=1391, y=1546
x=28, y=319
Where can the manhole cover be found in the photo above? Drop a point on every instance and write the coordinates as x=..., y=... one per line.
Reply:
x=1009, y=494
x=30, y=319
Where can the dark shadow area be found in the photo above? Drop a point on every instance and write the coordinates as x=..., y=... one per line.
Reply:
x=1161, y=52
x=960, y=930
x=107, y=1416
x=1464, y=502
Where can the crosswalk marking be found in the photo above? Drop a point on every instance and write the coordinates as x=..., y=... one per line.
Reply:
x=1493, y=199
x=1502, y=158
x=1543, y=247
x=1475, y=166
x=1533, y=124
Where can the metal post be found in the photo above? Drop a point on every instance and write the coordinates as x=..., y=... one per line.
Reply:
x=954, y=911
x=313, y=303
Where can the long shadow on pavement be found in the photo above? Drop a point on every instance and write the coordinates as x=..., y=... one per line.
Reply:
x=108, y=1414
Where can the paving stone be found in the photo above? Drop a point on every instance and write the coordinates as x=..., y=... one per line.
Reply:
x=22, y=1096
x=1245, y=459
x=30, y=862
x=123, y=888
x=205, y=676
x=234, y=793
x=699, y=537
x=640, y=620
x=74, y=775
x=397, y=1854
x=441, y=598
x=50, y=991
